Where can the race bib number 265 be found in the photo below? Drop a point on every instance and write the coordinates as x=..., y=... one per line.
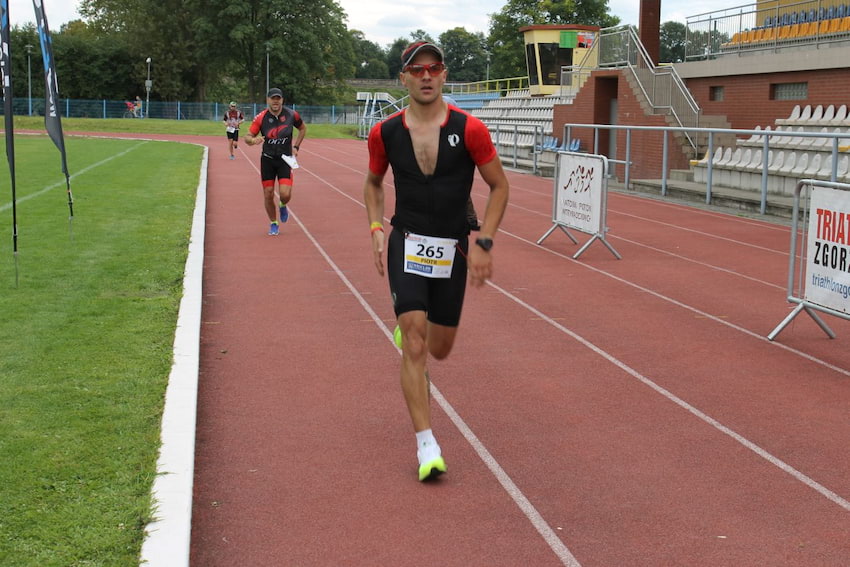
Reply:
x=429, y=256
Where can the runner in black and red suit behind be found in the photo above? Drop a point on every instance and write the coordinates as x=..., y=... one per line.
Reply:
x=273, y=127
x=233, y=118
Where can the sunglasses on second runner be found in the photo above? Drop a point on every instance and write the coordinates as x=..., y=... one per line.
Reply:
x=418, y=70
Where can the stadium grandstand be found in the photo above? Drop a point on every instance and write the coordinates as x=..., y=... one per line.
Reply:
x=758, y=101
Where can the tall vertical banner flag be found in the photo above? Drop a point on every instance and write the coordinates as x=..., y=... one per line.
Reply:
x=52, y=120
x=6, y=77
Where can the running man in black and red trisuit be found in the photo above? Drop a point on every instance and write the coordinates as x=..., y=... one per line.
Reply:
x=233, y=118
x=273, y=127
x=434, y=149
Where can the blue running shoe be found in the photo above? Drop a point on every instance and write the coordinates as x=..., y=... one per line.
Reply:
x=274, y=230
x=284, y=213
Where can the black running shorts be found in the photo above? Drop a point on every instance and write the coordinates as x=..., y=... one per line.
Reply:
x=440, y=298
x=272, y=168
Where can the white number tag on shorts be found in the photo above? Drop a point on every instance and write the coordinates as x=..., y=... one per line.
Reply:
x=231, y=129
x=429, y=256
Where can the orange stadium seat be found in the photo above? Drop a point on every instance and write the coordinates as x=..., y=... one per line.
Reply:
x=834, y=25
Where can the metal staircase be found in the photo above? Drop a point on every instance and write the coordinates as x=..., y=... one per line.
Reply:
x=376, y=107
x=662, y=87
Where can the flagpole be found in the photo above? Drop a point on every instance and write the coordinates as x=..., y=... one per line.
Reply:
x=52, y=118
x=6, y=73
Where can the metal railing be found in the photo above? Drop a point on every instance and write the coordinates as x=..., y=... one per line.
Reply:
x=836, y=145
x=82, y=108
x=619, y=48
x=492, y=85
x=747, y=27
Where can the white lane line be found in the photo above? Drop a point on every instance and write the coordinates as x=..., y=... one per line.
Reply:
x=662, y=297
x=699, y=263
x=75, y=175
x=667, y=394
x=830, y=495
x=527, y=508
x=640, y=288
x=702, y=233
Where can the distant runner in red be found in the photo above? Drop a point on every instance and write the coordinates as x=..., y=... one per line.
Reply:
x=273, y=127
x=233, y=118
x=434, y=149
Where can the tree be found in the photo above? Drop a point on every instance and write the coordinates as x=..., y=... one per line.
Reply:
x=394, y=52
x=465, y=55
x=167, y=31
x=396, y=48
x=672, y=39
x=506, y=42
x=194, y=43
x=369, y=58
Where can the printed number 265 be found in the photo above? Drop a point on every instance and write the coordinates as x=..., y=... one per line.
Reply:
x=429, y=251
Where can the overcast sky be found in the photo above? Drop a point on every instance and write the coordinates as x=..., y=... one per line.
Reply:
x=58, y=12
x=383, y=21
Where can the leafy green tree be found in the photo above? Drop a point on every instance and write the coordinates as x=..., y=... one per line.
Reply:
x=393, y=59
x=88, y=66
x=465, y=55
x=396, y=48
x=196, y=43
x=672, y=39
x=369, y=58
x=23, y=78
x=168, y=32
x=506, y=42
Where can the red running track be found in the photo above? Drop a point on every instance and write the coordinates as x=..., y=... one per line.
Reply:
x=597, y=412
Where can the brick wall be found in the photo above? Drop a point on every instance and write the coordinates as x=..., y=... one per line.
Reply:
x=746, y=104
x=592, y=106
x=746, y=99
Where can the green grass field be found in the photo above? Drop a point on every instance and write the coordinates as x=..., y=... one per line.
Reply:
x=89, y=310
x=85, y=344
x=182, y=127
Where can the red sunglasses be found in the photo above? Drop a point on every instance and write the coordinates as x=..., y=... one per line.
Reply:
x=418, y=70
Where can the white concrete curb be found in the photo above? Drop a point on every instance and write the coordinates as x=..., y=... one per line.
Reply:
x=167, y=537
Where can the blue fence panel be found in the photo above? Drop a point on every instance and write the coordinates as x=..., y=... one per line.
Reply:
x=101, y=108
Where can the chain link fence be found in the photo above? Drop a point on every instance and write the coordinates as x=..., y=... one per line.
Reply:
x=81, y=108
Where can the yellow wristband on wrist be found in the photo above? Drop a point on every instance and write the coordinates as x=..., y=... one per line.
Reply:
x=376, y=226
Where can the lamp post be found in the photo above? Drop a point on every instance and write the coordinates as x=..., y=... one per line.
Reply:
x=29, y=49
x=148, y=85
x=268, y=49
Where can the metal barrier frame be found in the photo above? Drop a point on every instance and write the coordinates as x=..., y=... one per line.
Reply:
x=802, y=303
x=666, y=131
x=603, y=208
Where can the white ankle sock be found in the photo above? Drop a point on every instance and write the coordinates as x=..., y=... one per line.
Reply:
x=427, y=447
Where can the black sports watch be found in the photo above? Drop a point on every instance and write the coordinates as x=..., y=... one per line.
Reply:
x=485, y=243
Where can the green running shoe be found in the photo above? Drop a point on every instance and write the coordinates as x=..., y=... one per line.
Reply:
x=432, y=469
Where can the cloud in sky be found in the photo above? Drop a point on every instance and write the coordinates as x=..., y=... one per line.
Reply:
x=58, y=12
x=383, y=21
